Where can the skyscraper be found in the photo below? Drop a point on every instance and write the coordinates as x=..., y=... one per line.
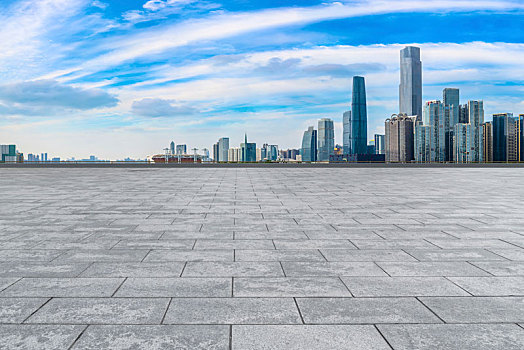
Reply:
x=521, y=136
x=359, y=118
x=172, y=147
x=326, y=139
x=181, y=149
x=487, y=130
x=248, y=151
x=476, y=119
x=399, y=138
x=462, y=143
x=223, y=147
x=423, y=143
x=506, y=145
x=346, y=136
x=380, y=147
x=309, y=145
x=410, y=90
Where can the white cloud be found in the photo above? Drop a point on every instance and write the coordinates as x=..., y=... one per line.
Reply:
x=158, y=108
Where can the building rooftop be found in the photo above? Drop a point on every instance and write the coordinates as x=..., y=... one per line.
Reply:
x=262, y=258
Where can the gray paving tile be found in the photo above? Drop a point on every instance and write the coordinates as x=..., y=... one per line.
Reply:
x=290, y=287
x=156, y=244
x=454, y=255
x=305, y=337
x=63, y=287
x=176, y=287
x=402, y=286
x=115, y=255
x=471, y=243
x=366, y=255
x=477, y=309
x=491, y=286
x=314, y=244
x=234, y=244
x=38, y=337
x=456, y=336
x=145, y=269
x=511, y=254
x=29, y=255
x=278, y=255
x=364, y=310
x=232, y=269
x=502, y=268
x=302, y=269
x=190, y=255
x=452, y=268
x=6, y=282
x=101, y=311
x=155, y=337
x=16, y=310
x=232, y=311
x=392, y=244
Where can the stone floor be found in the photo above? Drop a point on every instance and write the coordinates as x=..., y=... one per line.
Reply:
x=262, y=259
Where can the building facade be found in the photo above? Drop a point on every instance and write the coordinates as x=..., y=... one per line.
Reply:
x=346, y=133
x=410, y=89
x=462, y=145
x=223, y=148
x=423, y=142
x=476, y=119
x=172, y=147
x=326, y=139
x=487, y=134
x=8, y=154
x=380, y=144
x=506, y=138
x=399, y=139
x=309, y=145
x=359, y=118
x=248, y=151
x=181, y=149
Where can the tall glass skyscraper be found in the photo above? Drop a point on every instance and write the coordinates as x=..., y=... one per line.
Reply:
x=346, y=136
x=326, y=139
x=309, y=145
x=223, y=149
x=410, y=90
x=248, y=151
x=359, y=118
x=476, y=119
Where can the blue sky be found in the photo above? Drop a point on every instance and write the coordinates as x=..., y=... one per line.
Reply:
x=125, y=77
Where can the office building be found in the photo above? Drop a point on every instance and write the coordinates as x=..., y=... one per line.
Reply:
x=476, y=119
x=272, y=153
x=380, y=146
x=326, y=139
x=399, y=138
x=181, y=149
x=463, y=114
x=410, y=89
x=442, y=119
x=215, y=152
x=521, y=136
x=234, y=155
x=248, y=151
x=223, y=147
x=451, y=97
x=423, y=142
x=346, y=133
x=172, y=148
x=359, y=118
x=506, y=138
x=8, y=153
x=462, y=143
x=487, y=132
x=309, y=145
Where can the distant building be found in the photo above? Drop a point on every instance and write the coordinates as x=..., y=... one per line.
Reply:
x=56, y=160
x=215, y=152
x=380, y=146
x=463, y=114
x=346, y=136
x=476, y=119
x=290, y=154
x=223, y=147
x=399, y=138
x=248, y=151
x=487, y=131
x=410, y=89
x=234, y=155
x=326, y=139
x=521, y=136
x=181, y=149
x=463, y=148
x=423, y=142
x=506, y=138
x=359, y=118
x=441, y=118
x=8, y=154
x=358, y=158
x=172, y=147
x=309, y=145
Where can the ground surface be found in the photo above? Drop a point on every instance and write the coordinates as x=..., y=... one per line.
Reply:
x=262, y=259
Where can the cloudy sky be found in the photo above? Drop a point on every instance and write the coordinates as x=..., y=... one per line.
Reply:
x=118, y=78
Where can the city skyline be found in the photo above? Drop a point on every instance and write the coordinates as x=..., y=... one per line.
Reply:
x=131, y=99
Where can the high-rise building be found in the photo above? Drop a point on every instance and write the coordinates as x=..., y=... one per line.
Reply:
x=506, y=138
x=463, y=114
x=399, y=138
x=410, y=90
x=326, y=139
x=346, y=136
x=223, y=147
x=521, y=136
x=441, y=119
x=8, y=153
x=181, y=149
x=380, y=147
x=215, y=152
x=423, y=143
x=476, y=119
x=487, y=131
x=462, y=143
x=272, y=153
x=248, y=151
x=234, y=155
x=451, y=97
x=172, y=147
x=309, y=145
x=359, y=118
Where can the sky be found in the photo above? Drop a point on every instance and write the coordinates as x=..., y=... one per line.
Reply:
x=123, y=78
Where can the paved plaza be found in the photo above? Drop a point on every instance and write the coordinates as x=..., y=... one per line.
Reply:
x=262, y=258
